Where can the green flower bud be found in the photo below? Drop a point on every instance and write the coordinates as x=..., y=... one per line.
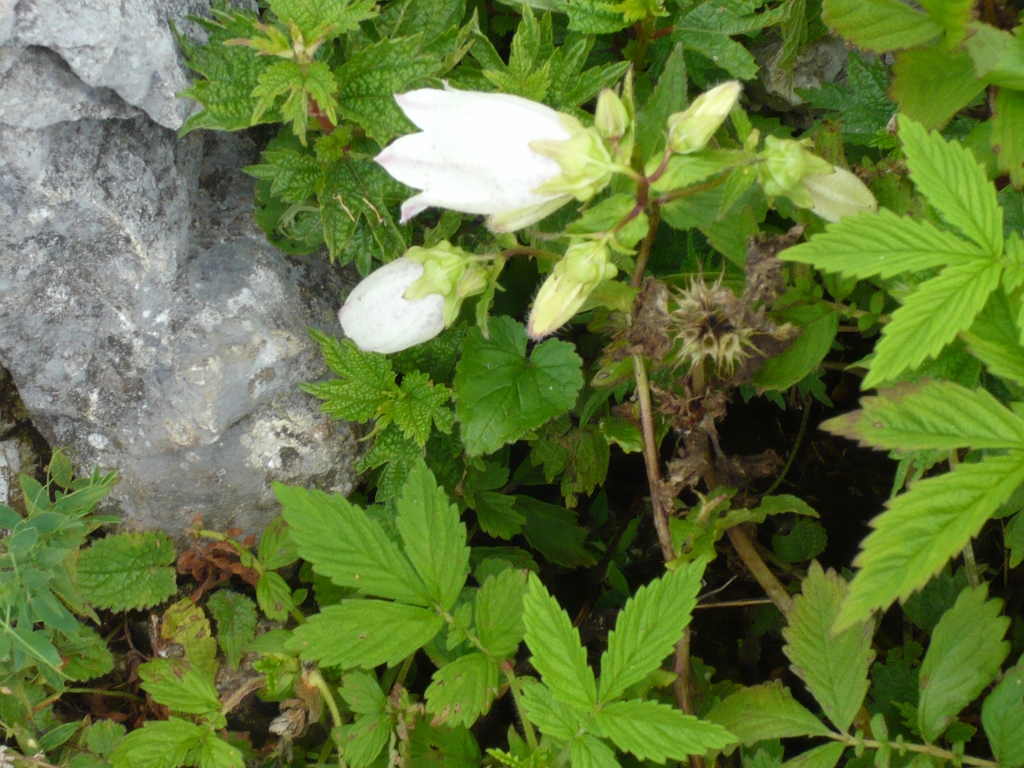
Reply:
x=448, y=271
x=585, y=265
x=584, y=159
x=838, y=194
x=785, y=164
x=611, y=118
x=691, y=130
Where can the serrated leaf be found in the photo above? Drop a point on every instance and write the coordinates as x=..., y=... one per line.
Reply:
x=433, y=535
x=127, y=571
x=86, y=654
x=766, y=711
x=421, y=404
x=499, y=612
x=818, y=324
x=1002, y=715
x=953, y=15
x=274, y=596
x=998, y=55
x=931, y=415
x=593, y=18
x=365, y=633
x=965, y=653
x=554, y=532
x=861, y=103
x=362, y=741
x=179, y=686
x=368, y=81
x=362, y=693
x=932, y=84
x=215, y=752
x=926, y=607
x=311, y=16
x=185, y=623
x=655, y=731
x=464, y=690
x=276, y=549
x=442, y=747
x=949, y=175
x=235, y=615
x=708, y=26
x=160, y=744
x=1007, y=139
x=882, y=244
x=668, y=97
x=556, y=650
x=805, y=541
x=931, y=317
x=347, y=546
x=648, y=628
x=294, y=176
x=364, y=381
x=834, y=667
x=496, y=515
x=923, y=528
x=551, y=717
x=879, y=25
x=825, y=756
x=588, y=752
x=500, y=394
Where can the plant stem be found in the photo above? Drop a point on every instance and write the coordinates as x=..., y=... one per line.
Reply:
x=651, y=459
x=321, y=685
x=236, y=698
x=792, y=455
x=924, y=749
x=653, y=220
x=513, y=686
x=771, y=585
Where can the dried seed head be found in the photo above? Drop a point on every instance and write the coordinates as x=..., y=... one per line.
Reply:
x=709, y=324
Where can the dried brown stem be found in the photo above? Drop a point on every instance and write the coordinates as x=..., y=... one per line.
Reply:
x=771, y=585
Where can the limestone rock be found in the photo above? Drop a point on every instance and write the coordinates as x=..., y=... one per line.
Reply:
x=146, y=321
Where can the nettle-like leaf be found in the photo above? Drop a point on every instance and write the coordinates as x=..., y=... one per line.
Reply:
x=127, y=571
x=648, y=628
x=179, y=687
x=363, y=740
x=879, y=25
x=363, y=383
x=861, y=104
x=323, y=18
x=420, y=404
x=462, y=691
x=299, y=85
x=1002, y=715
x=236, y=623
x=655, y=731
x=554, y=532
x=994, y=339
x=160, y=744
x=708, y=27
x=499, y=612
x=965, y=653
x=500, y=394
x=766, y=711
x=834, y=667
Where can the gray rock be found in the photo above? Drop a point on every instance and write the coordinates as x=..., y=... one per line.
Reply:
x=822, y=61
x=126, y=46
x=144, y=318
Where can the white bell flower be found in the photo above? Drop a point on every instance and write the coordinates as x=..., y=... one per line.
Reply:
x=474, y=155
x=378, y=318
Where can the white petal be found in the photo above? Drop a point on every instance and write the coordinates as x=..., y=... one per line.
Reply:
x=524, y=217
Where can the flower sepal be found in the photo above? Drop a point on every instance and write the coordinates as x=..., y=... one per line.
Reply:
x=585, y=266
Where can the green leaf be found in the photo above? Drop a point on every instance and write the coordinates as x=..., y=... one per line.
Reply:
x=806, y=540
x=882, y=244
x=931, y=317
x=923, y=528
x=276, y=549
x=953, y=15
x=347, y=546
x=86, y=654
x=819, y=324
x=495, y=513
x=947, y=173
x=998, y=56
x=274, y=596
x=766, y=711
x=311, y=16
x=499, y=612
x=160, y=744
x=236, y=623
x=442, y=747
x=933, y=84
x=369, y=80
x=185, y=623
x=128, y=571
x=1002, y=715
x=588, y=752
x=364, y=381
x=365, y=633
x=552, y=717
x=1007, y=138
x=431, y=17
x=834, y=667
x=926, y=607
x=501, y=395
x=556, y=650
x=362, y=741
x=861, y=104
x=655, y=731
x=362, y=693
x=879, y=25
x=420, y=404
x=464, y=690
x=825, y=756
x=553, y=531
x=217, y=753
x=179, y=687
x=294, y=176
x=593, y=18
x=648, y=628
x=707, y=28
x=669, y=97
x=433, y=535
x=931, y=415
x=965, y=653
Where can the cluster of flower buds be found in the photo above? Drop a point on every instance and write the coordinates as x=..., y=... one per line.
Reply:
x=412, y=299
x=512, y=159
x=586, y=265
x=790, y=169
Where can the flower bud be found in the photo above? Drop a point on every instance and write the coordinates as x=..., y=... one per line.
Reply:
x=584, y=266
x=785, y=163
x=838, y=194
x=447, y=271
x=584, y=159
x=611, y=118
x=378, y=318
x=691, y=130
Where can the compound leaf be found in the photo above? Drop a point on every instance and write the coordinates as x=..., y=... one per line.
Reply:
x=363, y=384
x=344, y=544
x=128, y=571
x=557, y=653
x=365, y=633
x=655, y=731
x=834, y=667
x=965, y=653
x=501, y=395
x=648, y=628
x=923, y=528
